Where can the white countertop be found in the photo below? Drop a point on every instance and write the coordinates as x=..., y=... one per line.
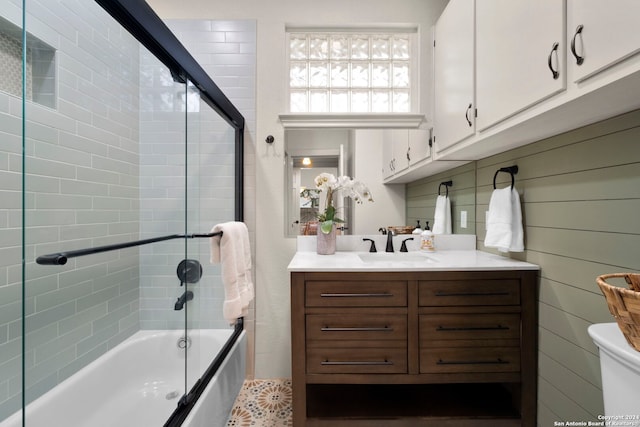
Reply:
x=445, y=260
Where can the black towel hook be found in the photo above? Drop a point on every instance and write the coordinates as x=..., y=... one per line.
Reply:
x=446, y=184
x=511, y=170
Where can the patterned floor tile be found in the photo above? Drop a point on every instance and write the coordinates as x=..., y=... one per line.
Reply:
x=262, y=403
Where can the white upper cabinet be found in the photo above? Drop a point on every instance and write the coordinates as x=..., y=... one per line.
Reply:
x=520, y=56
x=419, y=147
x=394, y=151
x=399, y=140
x=601, y=33
x=404, y=151
x=387, y=155
x=506, y=74
x=454, y=112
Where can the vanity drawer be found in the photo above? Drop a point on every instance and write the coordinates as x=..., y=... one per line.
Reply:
x=356, y=327
x=357, y=360
x=470, y=359
x=498, y=326
x=469, y=293
x=353, y=293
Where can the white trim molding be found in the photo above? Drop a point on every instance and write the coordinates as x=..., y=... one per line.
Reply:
x=351, y=120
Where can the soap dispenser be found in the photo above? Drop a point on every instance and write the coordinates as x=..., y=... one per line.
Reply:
x=417, y=230
x=426, y=239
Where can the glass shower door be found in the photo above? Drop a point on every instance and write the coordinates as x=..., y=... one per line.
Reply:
x=164, y=276
x=104, y=145
x=211, y=200
x=104, y=155
x=11, y=201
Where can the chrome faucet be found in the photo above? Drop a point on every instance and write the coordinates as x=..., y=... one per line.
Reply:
x=389, y=241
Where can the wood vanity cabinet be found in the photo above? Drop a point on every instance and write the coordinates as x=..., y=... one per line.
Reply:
x=384, y=349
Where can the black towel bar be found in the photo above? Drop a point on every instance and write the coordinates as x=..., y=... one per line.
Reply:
x=511, y=170
x=446, y=184
x=60, y=258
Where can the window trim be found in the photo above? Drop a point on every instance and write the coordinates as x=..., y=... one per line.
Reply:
x=351, y=120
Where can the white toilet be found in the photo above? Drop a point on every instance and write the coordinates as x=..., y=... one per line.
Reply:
x=620, y=366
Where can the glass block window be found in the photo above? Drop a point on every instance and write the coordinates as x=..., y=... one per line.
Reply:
x=351, y=72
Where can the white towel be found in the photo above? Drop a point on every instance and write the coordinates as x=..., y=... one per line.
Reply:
x=442, y=216
x=233, y=251
x=504, y=221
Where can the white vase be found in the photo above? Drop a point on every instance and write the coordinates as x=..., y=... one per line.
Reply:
x=326, y=242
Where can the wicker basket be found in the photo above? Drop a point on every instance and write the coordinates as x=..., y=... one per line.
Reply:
x=401, y=229
x=624, y=304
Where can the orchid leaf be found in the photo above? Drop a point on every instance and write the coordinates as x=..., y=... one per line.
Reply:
x=330, y=213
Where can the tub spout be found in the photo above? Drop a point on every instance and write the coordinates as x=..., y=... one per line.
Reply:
x=187, y=296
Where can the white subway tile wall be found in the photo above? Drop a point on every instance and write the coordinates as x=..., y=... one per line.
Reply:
x=81, y=190
x=221, y=48
x=226, y=50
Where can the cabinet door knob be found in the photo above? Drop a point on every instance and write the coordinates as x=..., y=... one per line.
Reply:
x=579, y=59
x=554, y=72
x=466, y=115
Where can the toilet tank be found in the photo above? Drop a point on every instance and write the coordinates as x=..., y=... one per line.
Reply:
x=620, y=366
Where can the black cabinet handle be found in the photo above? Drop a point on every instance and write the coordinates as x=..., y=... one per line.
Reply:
x=554, y=72
x=350, y=363
x=473, y=362
x=579, y=59
x=466, y=115
x=470, y=294
x=472, y=328
x=356, y=329
x=368, y=295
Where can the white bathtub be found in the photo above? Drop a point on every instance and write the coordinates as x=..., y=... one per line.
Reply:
x=139, y=383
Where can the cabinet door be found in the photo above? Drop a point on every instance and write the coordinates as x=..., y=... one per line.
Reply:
x=454, y=74
x=387, y=156
x=395, y=143
x=608, y=34
x=519, y=49
x=419, y=148
x=400, y=138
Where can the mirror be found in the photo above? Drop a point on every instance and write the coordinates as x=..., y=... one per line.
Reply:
x=309, y=153
x=358, y=154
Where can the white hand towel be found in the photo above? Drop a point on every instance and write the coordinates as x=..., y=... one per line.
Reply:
x=517, y=232
x=504, y=221
x=442, y=216
x=233, y=251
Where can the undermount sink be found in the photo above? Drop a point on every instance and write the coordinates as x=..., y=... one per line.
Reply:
x=412, y=257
